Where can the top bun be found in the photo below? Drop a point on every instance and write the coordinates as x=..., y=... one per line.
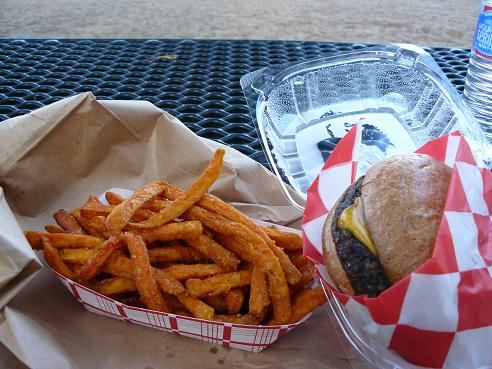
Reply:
x=403, y=199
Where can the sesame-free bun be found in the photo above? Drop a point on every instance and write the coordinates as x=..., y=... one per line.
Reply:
x=403, y=200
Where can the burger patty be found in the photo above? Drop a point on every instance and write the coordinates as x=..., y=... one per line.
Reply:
x=363, y=269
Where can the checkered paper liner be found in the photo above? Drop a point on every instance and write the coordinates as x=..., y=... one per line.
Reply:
x=439, y=316
x=253, y=338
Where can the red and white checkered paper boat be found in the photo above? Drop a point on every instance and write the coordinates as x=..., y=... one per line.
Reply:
x=439, y=316
x=253, y=338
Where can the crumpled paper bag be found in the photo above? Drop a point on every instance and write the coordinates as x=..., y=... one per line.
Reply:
x=18, y=262
x=59, y=154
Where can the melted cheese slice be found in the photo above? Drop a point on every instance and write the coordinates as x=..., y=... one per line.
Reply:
x=352, y=219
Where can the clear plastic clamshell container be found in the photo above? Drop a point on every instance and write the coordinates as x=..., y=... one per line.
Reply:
x=302, y=110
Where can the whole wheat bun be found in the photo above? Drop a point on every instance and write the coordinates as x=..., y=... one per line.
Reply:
x=403, y=199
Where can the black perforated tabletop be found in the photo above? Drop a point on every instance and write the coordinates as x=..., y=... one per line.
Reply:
x=195, y=80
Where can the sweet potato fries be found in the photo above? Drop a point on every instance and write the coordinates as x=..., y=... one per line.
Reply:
x=183, y=252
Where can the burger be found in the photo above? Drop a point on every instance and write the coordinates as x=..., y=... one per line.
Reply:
x=384, y=225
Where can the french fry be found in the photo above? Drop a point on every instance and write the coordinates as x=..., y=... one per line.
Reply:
x=215, y=252
x=306, y=301
x=217, y=302
x=67, y=221
x=113, y=198
x=237, y=319
x=190, y=196
x=258, y=295
x=53, y=259
x=299, y=260
x=63, y=240
x=50, y=228
x=276, y=289
x=173, y=302
x=93, y=207
x=199, y=271
x=119, y=265
x=198, y=308
x=307, y=273
x=123, y=213
x=157, y=204
x=139, y=215
x=307, y=277
x=167, y=283
x=77, y=256
x=95, y=226
x=234, y=300
x=142, y=214
x=143, y=273
x=168, y=254
x=185, y=304
x=246, y=251
x=287, y=240
x=207, y=232
x=153, y=205
x=115, y=286
x=292, y=274
x=218, y=284
x=172, y=231
x=93, y=266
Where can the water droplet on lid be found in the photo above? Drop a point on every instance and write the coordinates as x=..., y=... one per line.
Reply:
x=298, y=80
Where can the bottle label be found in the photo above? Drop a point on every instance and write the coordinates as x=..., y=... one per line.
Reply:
x=482, y=44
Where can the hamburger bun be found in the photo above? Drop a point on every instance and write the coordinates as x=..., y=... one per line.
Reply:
x=402, y=201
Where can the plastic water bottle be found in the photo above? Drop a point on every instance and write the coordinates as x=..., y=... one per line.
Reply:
x=478, y=85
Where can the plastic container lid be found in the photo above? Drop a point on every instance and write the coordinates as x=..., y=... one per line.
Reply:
x=301, y=110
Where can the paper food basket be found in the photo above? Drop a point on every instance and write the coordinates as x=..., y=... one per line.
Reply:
x=245, y=337
x=253, y=338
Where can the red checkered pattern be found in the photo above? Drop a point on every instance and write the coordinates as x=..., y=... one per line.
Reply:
x=245, y=337
x=440, y=316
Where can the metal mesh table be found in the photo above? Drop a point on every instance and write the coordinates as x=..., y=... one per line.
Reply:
x=195, y=80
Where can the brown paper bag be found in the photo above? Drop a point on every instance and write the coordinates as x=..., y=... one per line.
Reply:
x=18, y=263
x=53, y=158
